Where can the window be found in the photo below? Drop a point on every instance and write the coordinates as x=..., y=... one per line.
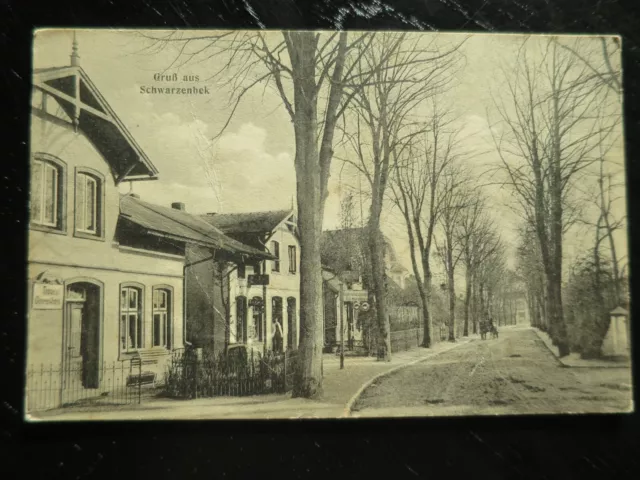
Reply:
x=293, y=261
x=242, y=271
x=161, y=317
x=276, y=309
x=88, y=204
x=257, y=307
x=275, y=250
x=130, y=318
x=46, y=194
x=276, y=333
x=292, y=335
x=241, y=319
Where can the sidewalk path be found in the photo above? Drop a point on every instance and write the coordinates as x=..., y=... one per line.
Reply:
x=574, y=360
x=340, y=387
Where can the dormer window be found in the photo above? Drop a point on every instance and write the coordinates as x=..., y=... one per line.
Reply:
x=89, y=204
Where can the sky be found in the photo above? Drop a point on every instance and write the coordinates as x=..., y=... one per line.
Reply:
x=250, y=167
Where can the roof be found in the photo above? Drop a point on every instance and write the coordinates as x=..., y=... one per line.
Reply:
x=253, y=222
x=97, y=120
x=182, y=226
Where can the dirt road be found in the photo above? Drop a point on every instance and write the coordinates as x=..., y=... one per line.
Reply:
x=514, y=374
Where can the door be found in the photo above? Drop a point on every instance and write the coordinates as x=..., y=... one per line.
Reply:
x=72, y=360
x=81, y=339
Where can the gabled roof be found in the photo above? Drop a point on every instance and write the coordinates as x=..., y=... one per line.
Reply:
x=91, y=114
x=248, y=223
x=182, y=226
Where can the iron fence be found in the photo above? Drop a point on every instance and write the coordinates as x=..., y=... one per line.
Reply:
x=105, y=383
x=190, y=375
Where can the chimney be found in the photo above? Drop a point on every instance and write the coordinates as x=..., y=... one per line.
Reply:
x=75, y=58
x=178, y=206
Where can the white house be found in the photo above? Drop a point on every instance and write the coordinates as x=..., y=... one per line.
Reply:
x=261, y=293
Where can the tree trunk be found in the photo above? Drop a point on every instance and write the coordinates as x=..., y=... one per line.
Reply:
x=467, y=301
x=452, y=296
x=474, y=303
x=308, y=375
x=482, y=307
x=426, y=299
x=376, y=246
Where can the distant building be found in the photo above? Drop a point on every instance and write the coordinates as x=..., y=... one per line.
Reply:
x=346, y=250
x=522, y=310
x=345, y=303
x=346, y=256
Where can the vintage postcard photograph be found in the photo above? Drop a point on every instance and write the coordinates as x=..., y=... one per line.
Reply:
x=258, y=224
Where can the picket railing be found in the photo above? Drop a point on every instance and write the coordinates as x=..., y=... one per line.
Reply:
x=190, y=375
x=108, y=383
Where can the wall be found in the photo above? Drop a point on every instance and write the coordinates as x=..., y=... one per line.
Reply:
x=68, y=257
x=281, y=284
x=205, y=319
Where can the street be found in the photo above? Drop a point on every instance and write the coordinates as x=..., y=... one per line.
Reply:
x=514, y=374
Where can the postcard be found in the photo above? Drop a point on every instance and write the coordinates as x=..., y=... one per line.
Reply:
x=251, y=224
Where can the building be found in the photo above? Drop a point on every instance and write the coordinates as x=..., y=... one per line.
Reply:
x=522, y=310
x=255, y=293
x=346, y=250
x=105, y=270
x=345, y=304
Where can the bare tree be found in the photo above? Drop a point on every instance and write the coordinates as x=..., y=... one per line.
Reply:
x=316, y=75
x=456, y=200
x=604, y=67
x=609, y=191
x=418, y=192
x=530, y=271
x=478, y=241
x=380, y=124
x=551, y=125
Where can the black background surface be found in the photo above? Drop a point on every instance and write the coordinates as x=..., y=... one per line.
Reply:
x=564, y=447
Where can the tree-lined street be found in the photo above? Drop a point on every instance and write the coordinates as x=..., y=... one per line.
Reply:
x=514, y=374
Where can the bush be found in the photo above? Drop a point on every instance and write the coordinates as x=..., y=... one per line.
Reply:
x=227, y=375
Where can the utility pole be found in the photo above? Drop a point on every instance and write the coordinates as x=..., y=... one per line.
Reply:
x=264, y=307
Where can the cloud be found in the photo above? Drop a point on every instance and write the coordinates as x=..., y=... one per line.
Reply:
x=250, y=177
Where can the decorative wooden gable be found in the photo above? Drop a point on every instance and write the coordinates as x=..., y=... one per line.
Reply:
x=90, y=114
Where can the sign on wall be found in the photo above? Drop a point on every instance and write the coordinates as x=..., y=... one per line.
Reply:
x=47, y=296
x=258, y=280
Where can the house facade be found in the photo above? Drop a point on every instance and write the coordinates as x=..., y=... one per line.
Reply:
x=259, y=300
x=91, y=300
x=105, y=270
x=345, y=304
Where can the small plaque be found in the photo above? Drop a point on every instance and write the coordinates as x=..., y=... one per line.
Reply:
x=47, y=296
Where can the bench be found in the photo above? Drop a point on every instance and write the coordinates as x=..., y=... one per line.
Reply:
x=138, y=376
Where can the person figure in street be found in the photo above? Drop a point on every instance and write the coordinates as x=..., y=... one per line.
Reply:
x=492, y=328
x=277, y=336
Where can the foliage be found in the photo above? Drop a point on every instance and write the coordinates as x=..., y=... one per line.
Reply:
x=590, y=294
x=190, y=375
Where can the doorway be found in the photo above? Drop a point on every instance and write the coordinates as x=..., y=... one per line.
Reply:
x=81, y=336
